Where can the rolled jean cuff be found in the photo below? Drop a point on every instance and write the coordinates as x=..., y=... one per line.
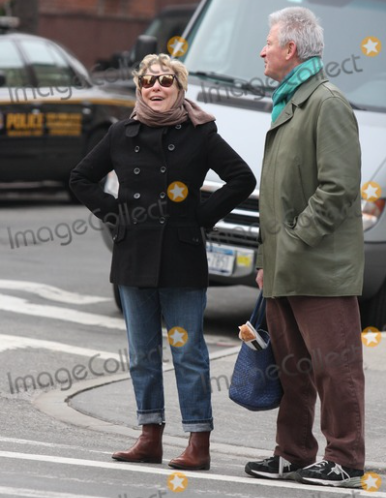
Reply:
x=151, y=418
x=202, y=426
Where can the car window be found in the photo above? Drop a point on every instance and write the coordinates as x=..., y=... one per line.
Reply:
x=50, y=68
x=11, y=64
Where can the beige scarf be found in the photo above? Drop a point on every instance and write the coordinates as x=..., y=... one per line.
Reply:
x=182, y=110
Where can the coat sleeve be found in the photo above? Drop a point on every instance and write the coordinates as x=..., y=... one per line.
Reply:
x=338, y=158
x=85, y=180
x=233, y=170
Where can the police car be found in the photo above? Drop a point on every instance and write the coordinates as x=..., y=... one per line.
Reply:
x=51, y=113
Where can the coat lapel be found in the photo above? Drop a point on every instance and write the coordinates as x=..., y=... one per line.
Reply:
x=300, y=96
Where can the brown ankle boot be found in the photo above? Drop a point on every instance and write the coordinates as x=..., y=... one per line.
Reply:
x=148, y=447
x=196, y=456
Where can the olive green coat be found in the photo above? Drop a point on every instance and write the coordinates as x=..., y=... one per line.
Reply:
x=310, y=205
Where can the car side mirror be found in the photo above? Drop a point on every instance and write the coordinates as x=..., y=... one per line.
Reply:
x=3, y=79
x=144, y=45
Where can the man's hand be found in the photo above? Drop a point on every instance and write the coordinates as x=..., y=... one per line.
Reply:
x=260, y=278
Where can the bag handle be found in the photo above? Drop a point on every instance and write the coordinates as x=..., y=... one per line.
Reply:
x=258, y=313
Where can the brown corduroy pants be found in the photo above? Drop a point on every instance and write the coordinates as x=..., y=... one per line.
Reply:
x=318, y=348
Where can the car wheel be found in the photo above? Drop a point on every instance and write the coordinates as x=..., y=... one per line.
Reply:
x=375, y=309
x=117, y=296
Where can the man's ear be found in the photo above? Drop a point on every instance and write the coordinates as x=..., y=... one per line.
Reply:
x=291, y=50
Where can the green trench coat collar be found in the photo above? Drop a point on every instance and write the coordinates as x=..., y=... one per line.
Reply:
x=300, y=96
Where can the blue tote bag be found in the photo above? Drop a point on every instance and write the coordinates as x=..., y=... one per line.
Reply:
x=255, y=383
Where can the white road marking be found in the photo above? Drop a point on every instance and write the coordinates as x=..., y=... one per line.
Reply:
x=33, y=493
x=51, y=293
x=8, y=342
x=22, y=306
x=126, y=467
x=24, y=442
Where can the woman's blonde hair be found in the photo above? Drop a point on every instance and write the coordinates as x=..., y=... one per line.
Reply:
x=164, y=61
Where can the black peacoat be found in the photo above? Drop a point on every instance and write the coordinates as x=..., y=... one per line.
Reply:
x=158, y=216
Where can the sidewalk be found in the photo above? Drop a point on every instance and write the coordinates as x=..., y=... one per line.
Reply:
x=236, y=429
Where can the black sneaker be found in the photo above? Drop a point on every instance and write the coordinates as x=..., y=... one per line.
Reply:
x=329, y=473
x=275, y=467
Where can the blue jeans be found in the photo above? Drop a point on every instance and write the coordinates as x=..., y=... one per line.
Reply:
x=182, y=310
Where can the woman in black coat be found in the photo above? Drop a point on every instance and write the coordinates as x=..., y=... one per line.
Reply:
x=161, y=156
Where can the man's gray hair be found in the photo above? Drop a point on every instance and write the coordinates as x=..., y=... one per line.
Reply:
x=301, y=26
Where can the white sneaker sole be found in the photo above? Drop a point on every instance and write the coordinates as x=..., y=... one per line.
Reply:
x=269, y=475
x=353, y=482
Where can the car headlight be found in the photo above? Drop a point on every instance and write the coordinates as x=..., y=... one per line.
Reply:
x=371, y=212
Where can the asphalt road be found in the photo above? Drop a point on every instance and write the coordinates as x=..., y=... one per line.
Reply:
x=56, y=314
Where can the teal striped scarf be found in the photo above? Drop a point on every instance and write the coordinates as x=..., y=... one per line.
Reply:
x=291, y=83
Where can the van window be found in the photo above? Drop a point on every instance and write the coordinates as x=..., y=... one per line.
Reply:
x=229, y=36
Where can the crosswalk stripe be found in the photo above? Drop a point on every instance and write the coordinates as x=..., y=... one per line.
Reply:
x=8, y=342
x=33, y=493
x=22, y=306
x=31, y=442
x=126, y=467
x=51, y=293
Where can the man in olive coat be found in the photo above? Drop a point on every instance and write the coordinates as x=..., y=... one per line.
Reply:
x=311, y=259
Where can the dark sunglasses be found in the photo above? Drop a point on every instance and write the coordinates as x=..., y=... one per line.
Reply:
x=165, y=80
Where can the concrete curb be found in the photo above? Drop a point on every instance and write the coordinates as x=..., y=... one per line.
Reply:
x=55, y=403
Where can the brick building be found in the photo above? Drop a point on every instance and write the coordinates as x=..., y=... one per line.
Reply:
x=92, y=29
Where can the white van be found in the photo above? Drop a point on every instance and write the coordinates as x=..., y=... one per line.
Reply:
x=225, y=38
x=227, y=78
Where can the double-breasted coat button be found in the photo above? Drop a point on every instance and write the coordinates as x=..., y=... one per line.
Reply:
x=137, y=171
x=162, y=220
x=178, y=127
x=137, y=195
x=163, y=169
x=162, y=195
x=137, y=148
x=171, y=147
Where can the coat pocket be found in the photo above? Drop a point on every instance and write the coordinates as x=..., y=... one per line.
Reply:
x=190, y=235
